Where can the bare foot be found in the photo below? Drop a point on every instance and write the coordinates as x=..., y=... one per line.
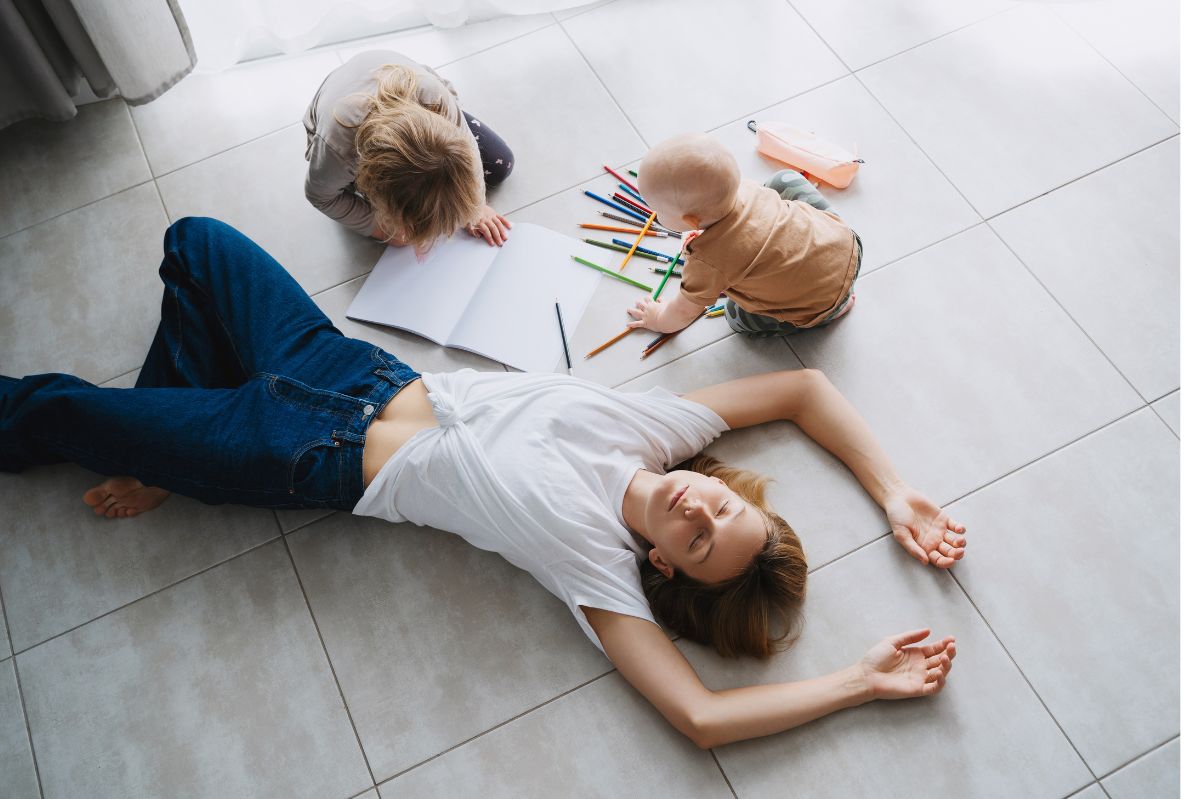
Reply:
x=124, y=497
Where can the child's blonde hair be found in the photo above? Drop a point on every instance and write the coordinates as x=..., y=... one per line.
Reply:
x=416, y=167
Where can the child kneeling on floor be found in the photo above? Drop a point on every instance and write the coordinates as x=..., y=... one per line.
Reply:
x=778, y=251
x=392, y=155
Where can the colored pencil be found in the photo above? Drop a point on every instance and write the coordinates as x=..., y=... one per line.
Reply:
x=562, y=330
x=628, y=203
x=663, y=339
x=621, y=198
x=661, y=234
x=633, y=247
x=632, y=172
x=639, y=253
x=655, y=226
x=715, y=314
x=647, y=250
x=610, y=342
x=615, y=206
x=617, y=175
x=662, y=271
x=632, y=193
x=629, y=330
x=611, y=273
x=670, y=271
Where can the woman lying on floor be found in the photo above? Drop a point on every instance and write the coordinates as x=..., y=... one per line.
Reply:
x=249, y=394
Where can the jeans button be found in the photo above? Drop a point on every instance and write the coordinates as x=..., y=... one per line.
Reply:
x=368, y=410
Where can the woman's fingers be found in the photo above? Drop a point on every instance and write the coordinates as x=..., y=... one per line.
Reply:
x=910, y=545
x=507, y=224
x=906, y=638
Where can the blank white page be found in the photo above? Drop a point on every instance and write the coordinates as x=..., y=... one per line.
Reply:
x=429, y=296
x=511, y=318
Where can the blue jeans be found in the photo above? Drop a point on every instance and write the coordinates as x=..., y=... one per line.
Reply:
x=249, y=394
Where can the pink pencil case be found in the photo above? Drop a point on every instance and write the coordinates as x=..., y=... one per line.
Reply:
x=802, y=149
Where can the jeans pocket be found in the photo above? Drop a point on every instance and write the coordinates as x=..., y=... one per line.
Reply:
x=315, y=474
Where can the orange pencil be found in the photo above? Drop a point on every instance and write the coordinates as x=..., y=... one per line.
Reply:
x=611, y=341
x=655, y=233
x=642, y=235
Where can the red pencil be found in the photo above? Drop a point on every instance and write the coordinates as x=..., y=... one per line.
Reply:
x=619, y=197
x=626, y=181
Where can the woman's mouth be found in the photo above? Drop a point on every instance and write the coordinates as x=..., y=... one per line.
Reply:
x=675, y=499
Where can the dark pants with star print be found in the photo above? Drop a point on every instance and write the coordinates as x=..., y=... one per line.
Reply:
x=497, y=156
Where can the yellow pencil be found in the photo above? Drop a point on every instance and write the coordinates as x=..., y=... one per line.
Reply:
x=642, y=235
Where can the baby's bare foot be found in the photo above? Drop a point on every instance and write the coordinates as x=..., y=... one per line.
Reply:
x=123, y=497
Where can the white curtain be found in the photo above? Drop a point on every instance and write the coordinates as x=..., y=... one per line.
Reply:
x=228, y=31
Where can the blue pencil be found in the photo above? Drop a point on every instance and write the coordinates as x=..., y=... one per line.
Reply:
x=639, y=217
x=631, y=193
x=646, y=250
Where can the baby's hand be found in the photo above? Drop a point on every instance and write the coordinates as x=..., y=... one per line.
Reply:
x=490, y=225
x=648, y=314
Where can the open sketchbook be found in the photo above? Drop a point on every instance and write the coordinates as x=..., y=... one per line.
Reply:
x=497, y=302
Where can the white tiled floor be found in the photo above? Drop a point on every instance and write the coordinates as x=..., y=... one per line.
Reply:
x=1015, y=345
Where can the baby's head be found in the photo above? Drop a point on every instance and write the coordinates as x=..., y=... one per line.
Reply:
x=690, y=181
x=418, y=170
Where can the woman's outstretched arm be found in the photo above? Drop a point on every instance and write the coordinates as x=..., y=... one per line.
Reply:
x=806, y=397
x=895, y=668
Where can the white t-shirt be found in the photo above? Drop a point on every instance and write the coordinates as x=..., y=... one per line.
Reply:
x=534, y=467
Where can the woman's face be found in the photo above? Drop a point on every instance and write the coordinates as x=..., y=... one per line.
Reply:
x=698, y=524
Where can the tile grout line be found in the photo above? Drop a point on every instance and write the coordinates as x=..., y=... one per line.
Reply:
x=604, y=85
x=155, y=592
x=1163, y=420
x=987, y=219
x=1067, y=313
x=1025, y=677
x=721, y=769
x=157, y=189
x=210, y=156
x=673, y=360
x=37, y=771
x=995, y=480
x=325, y=649
x=1136, y=758
x=887, y=111
x=1087, y=174
x=493, y=728
x=516, y=38
x=88, y=204
x=934, y=39
x=1116, y=69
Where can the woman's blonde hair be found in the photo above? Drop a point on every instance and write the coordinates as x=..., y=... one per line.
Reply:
x=417, y=168
x=736, y=616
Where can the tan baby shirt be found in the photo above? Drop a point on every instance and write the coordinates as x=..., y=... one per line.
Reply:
x=332, y=156
x=772, y=256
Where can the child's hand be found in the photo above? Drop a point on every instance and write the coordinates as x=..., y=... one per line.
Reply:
x=490, y=225
x=648, y=314
x=664, y=317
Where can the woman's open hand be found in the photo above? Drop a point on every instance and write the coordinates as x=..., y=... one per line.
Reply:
x=895, y=669
x=924, y=530
x=490, y=226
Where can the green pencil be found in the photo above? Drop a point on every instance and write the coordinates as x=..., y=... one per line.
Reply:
x=611, y=273
x=625, y=249
x=667, y=276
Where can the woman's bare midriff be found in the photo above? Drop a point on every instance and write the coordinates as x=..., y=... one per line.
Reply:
x=408, y=413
